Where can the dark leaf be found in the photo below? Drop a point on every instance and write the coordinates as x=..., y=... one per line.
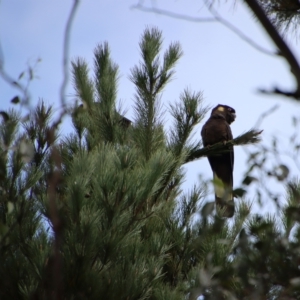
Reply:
x=21, y=75
x=248, y=179
x=4, y=115
x=281, y=172
x=15, y=100
x=207, y=209
x=30, y=73
x=239, y=192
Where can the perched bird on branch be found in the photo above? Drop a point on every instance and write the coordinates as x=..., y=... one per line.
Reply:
x=217, y=129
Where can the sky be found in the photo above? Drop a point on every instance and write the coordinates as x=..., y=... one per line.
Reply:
x=216, y=61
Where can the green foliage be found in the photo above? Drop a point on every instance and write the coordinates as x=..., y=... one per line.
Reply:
x=150, y=77
x=100, y=213
x=284, y=14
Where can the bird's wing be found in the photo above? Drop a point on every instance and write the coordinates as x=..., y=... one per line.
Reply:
x=222, y=164
x=215, y=130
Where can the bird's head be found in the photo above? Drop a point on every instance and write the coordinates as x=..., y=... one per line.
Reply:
x=225, y=111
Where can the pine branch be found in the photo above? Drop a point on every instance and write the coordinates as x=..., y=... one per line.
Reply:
x=106, y=77
x=150, y=77
x=284, y=14
x=187, y=113
x=82, y=84
x=250, y=137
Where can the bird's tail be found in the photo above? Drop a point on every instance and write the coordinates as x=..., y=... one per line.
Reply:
x=224, y=198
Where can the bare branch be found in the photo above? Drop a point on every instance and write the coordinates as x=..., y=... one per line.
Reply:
x=66, y=53
x=11, y=81
x=171, y=14
x=282, y=46
x=265, y=114
x=239, y=33
x=291, y=94
x=216, y=18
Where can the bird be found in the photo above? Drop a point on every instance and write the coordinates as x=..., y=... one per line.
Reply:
x=217, y=129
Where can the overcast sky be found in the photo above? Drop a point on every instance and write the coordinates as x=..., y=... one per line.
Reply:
x=216, y=61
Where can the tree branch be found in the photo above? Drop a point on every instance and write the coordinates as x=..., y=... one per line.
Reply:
x=249, y=137
x=216, y=18
x=171, y=14
x=284, y=50
x=13, y=82
x=66, y=53
x=238, y=32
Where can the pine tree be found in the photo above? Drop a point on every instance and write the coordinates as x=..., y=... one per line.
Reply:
x=100, y=214
x=284, y=14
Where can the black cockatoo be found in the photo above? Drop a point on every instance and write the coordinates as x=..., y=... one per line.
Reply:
x=217, y=129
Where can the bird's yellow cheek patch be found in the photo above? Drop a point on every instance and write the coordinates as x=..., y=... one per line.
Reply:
x=221, y=108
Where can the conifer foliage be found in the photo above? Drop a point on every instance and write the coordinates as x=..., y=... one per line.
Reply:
x=99, y=214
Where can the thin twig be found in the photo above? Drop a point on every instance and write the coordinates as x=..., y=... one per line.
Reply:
x=277, y=91
x=11, y=81
x=171, y=14
x=265, y=114
x=216, y=18
x=238, y=32
x=66, y=53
